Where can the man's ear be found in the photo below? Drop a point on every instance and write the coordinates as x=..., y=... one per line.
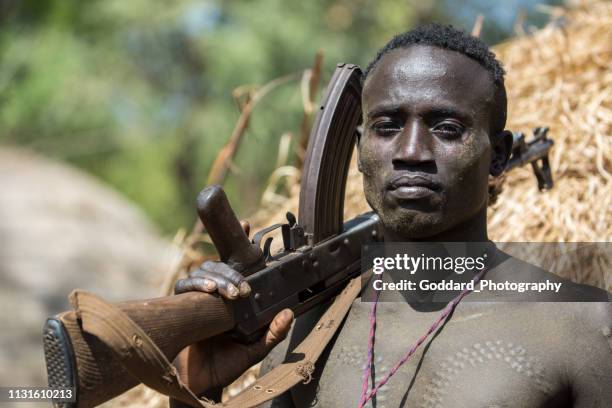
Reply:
x=502, y=148
x=358, y=148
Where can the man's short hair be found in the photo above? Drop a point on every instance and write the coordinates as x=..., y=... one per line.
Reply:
x=450, y=38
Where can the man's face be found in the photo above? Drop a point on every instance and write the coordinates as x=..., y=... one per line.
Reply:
x=425, y=151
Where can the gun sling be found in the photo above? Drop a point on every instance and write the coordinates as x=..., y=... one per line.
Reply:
x=148, y=364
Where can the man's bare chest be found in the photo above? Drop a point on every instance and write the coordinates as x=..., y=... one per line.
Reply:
x=481, y=358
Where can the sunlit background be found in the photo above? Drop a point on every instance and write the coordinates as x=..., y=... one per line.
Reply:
x=139, y=93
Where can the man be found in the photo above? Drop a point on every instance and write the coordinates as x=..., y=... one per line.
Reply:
x=434, y=111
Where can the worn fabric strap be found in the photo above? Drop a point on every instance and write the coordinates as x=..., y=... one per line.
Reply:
x=145, y=361
x=132, y=346
x=300, y=368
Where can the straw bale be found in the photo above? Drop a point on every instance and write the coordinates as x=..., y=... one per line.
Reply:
x=559, y=77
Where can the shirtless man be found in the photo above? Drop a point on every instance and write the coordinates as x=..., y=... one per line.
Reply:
x=434, y=111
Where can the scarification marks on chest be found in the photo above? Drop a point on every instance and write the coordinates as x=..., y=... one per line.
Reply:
x=513, y=356
x=354, y=357
x=351, y=356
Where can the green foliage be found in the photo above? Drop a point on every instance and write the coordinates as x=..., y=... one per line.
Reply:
x=138, y=92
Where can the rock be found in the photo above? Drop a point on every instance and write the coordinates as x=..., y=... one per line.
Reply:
x=61, y=229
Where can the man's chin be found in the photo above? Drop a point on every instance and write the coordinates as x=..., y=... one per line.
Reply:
x=405, y=224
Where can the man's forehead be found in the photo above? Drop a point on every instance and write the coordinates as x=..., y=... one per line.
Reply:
x=436, y=72
x=432, y=63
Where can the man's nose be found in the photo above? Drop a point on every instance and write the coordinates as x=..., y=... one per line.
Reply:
x=414, y=145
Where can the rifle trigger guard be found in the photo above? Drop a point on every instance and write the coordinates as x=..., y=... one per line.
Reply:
x=259, y=236
x=293, y=236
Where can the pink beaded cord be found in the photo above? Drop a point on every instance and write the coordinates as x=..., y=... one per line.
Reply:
x=365, y=396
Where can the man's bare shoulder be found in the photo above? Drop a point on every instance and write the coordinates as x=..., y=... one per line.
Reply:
x=517, y=270
x=581, y=321
x=591, y=323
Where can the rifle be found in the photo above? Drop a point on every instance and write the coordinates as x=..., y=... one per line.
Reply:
x=320, y=255
x=535, y=152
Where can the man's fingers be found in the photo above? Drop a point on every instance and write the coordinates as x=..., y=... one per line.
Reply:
x=213, y=283
x=224, y=286
x=215, y=276
x=195, y=284
x=224, y=276
x=244, y=288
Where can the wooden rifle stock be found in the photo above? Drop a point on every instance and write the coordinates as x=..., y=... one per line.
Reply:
x=172, y=323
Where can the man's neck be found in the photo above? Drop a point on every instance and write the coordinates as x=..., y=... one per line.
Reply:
x=472, y=230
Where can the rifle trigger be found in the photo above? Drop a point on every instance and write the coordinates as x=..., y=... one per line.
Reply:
x=266, y=249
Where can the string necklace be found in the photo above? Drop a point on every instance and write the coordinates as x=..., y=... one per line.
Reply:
x=365, y=395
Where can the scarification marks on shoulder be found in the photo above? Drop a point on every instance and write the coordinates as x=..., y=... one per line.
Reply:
x=512, y=355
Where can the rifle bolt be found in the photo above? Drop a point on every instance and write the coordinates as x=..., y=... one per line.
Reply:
x=315, y=264
x=257, y=296
x=374, y=234
x=346, y=241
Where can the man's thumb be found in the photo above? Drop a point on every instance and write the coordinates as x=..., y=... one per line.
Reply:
x=277, y=332
x=279, y=328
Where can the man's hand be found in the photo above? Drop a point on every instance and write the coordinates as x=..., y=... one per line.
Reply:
x=218, y=361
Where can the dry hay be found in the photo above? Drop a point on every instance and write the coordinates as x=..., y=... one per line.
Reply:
x=557, y=77
x=560, y=78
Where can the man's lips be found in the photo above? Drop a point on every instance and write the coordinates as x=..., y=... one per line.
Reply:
x=412, y=187
x=412, y=181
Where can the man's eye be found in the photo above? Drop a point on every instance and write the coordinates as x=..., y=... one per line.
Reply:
x=385, y=128
x=448, y=129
